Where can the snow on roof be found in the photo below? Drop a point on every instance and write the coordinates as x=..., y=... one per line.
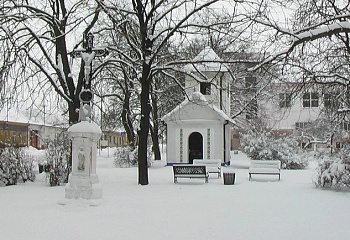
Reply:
x=23, y=116
x=13, y=115
x=198, y=98
x=206, y=61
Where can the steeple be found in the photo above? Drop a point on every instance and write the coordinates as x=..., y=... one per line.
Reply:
x=209, y=76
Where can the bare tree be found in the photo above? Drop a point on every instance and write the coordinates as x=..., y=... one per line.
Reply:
x=310, y=49
x=148, y=26
x=118, y=87
x=37, y=37
x=315, y=41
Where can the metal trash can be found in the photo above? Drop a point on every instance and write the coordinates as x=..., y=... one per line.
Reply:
x=41, y=167
x=229, y=178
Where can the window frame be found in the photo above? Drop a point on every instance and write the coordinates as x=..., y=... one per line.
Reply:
x=311, y=100
x=285, y=100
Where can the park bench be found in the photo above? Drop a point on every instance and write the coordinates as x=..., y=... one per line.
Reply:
x=213, y=165
x=270, y=167
x=190, y=171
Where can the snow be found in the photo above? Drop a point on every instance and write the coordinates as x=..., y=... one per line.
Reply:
x=263, y=208
x=323, y=31
x=198, y=98
x=85, y=127
x=206, y=60
x=27, y=116
x=302, y=36
x=13, y=115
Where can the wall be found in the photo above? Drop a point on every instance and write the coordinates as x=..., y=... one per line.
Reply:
x=211, y=149
x=220, y=82
x=13, y=134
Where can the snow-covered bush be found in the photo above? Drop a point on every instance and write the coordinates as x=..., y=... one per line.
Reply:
x=57, y=160
x=15, y=165
x=296, y=162
x=333, y=170
x=127, y=157
x=267, y=145
x=257, y=145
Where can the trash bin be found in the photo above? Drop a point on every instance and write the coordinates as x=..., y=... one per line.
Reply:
x=41, y=167
x=229, y=178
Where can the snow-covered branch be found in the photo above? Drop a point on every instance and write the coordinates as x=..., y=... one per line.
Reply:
x=303, y=37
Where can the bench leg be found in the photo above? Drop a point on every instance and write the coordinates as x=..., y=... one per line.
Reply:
x=175, y=179
x=250, y=176
x=206, y=180
x=279, y=177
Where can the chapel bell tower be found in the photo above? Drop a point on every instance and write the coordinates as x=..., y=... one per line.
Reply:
x=212, y=79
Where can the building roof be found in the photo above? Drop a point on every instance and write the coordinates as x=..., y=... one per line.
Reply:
x=24, y=116
x=197, y=99
x=206, y=61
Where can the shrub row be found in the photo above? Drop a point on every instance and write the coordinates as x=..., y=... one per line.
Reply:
x=15, y=165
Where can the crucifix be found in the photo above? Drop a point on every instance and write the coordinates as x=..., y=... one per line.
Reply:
x=87, y=53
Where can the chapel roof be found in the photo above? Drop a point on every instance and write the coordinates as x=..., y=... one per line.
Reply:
x=206, y=61
x=198, y=99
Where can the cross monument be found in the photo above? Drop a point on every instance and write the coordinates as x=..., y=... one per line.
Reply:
x=83, y=182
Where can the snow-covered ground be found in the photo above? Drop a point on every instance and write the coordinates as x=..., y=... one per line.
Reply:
x=260, y=209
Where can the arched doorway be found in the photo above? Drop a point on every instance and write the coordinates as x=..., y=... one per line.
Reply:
x=195, y=147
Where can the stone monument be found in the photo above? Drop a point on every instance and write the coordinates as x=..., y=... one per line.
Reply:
x=83, y=181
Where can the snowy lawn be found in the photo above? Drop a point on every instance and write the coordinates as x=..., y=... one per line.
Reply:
x=263, y=208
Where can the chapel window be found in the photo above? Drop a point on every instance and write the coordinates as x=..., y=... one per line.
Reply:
x=205, y=88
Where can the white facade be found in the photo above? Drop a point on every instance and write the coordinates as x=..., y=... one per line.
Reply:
x=199, y=128
x=209, y=72
x=287, y=117
x=298, y=114
x=193, y=123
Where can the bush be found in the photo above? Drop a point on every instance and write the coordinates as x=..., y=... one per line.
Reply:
x=15, y=165
x=266, y=145
x=57, y=160
x=125, y=157
x=333, y=170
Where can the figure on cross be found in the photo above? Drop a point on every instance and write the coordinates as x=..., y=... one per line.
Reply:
x=87, y=53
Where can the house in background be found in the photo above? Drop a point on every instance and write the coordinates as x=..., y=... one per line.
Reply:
x=304, y=114
x=14, y=134
x=111, y=138
x=19, y=134
x=36, y=135
x=200, y=127
x=259, y=100
x=308, y=115
x=20, y=131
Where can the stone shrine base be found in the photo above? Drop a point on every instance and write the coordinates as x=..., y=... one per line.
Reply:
x=83, y=186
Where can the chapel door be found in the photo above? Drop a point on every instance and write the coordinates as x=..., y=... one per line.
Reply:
x=195, y=147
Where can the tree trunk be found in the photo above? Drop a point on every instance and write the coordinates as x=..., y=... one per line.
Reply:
x=127, y=124
x=155, y=129
x=144, y=125
x=155, y=142
x=73, y=113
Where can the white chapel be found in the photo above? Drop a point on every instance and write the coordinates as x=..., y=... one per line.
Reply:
x=200, y=127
